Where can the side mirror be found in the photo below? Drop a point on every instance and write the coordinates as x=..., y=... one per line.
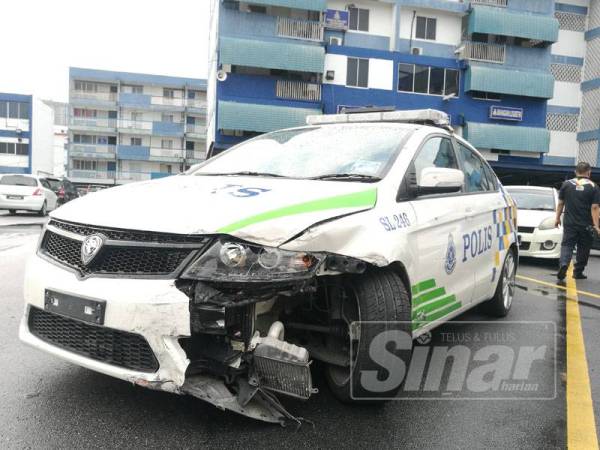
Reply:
x=436, y=180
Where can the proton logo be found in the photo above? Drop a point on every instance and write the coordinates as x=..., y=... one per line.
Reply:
x=450, y=263
x=90, y=247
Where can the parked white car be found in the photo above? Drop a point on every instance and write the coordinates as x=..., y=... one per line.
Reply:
x=224, y=282
x=27, y=193
x=538, y=237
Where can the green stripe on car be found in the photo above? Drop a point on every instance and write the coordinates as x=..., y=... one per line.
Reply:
x=430, y=307
x=423, y=286
x=430, y=295
x=354, y=200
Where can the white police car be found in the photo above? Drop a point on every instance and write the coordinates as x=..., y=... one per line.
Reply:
x=225, y=282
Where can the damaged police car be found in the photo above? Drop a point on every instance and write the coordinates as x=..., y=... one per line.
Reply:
x=226, y=282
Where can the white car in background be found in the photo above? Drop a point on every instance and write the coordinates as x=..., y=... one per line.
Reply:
x=26, y=192
x=538, y=237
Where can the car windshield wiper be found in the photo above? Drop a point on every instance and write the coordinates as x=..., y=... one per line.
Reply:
x=347, y=176
x=246, y=173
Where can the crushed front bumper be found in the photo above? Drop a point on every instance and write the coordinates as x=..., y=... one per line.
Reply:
x=153, y=309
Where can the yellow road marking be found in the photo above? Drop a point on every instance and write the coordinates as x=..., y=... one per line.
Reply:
x=557, y=286
x=581, y=424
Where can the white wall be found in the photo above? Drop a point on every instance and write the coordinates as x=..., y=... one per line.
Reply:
x=570, y=43
x=337, y=63
x=563, y=144
x=566, y=94
x=42, y=139
x=381, y=71
x=60, y=153
x=381, y=74
x=448, y=27
x=211, y=93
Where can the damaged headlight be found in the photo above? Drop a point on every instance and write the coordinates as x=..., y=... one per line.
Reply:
x=237, y=261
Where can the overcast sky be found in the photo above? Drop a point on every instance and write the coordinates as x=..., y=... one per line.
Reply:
x=42, y=38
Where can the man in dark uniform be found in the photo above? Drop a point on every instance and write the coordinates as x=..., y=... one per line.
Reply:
x=580, y=199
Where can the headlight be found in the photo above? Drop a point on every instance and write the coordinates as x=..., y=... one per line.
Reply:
x=236, y=261
x=547, y=224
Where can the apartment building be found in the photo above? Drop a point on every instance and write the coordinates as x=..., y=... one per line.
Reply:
x=504, y=70
x=26, y=135
x=127, y=127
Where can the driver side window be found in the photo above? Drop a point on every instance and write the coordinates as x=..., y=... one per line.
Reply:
x=436, y=152
x=476, y=175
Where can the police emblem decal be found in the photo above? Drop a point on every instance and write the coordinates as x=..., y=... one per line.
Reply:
x=450, y=263
x=90, y=247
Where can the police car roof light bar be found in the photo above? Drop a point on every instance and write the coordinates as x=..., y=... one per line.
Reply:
x=419, y=116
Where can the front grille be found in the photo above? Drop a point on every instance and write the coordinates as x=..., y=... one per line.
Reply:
x=128, y=235
x=107, y=345
x=150, y=254
x=525, y=229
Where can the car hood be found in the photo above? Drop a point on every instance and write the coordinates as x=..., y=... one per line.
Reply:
x=532, y=218
x=268, y=211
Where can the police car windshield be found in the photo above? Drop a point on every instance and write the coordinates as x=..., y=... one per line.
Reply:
x=533, y=199
x=360, y=153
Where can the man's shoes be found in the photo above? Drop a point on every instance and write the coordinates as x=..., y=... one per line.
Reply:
x=579, y=276
x=562, y=273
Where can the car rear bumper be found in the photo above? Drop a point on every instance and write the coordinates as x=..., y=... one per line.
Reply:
x=154, y=310
x=29, y=202
x=541, y=244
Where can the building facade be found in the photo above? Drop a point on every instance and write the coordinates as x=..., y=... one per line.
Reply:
x=60, y=112
x=25, y=135
x=506, y=71
x=127, y=127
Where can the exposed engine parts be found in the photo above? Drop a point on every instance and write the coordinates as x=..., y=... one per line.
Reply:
x=239, y=341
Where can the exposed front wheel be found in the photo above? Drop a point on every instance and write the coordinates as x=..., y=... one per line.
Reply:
x=500, y=303
x=379, y=297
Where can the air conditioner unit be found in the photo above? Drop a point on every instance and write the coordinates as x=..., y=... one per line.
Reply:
x=221, y=75
x=335, y=40
x=416, y=51
x=330, y=75
x=226, y=67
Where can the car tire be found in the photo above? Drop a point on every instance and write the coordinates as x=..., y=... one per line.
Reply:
x=499, y=305
x=12, y=212
x=43, y=211
x=381, y=296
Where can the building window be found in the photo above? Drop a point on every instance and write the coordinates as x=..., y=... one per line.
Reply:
x=81, y=164
x=137, y=89
x=137, y=116
x=491, y=96
x=86, y=86
x=421, y=79
x=166, y=143
x=359, y=19
x=358, y=72
x=427, y=80
x=79, y=112
x=189, y=145
x=23, y=149
x=135, y=141
x=426, y=28
x=7, y=148
x=168, y=93
x=167, y=118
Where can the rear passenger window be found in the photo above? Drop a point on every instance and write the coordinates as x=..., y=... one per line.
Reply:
x=436, y=152
x=476, y=174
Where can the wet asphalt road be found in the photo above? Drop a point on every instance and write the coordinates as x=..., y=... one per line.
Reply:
x=48, y=403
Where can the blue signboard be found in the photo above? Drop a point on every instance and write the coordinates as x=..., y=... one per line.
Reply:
x=506, y=113
x=336, y=19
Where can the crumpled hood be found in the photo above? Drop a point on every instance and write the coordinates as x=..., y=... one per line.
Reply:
x=267, y=211
x=532, y=218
